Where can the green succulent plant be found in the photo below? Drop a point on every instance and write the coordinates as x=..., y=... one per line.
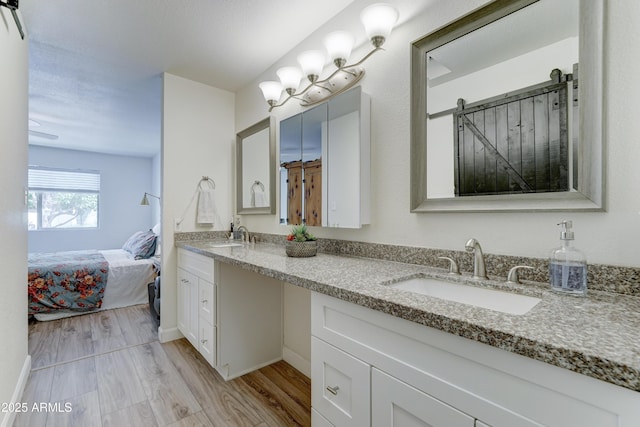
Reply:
x=299, y=233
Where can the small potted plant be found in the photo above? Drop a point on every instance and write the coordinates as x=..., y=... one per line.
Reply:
x=301, y=243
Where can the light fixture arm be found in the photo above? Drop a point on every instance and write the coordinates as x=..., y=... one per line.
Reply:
x=320, y=83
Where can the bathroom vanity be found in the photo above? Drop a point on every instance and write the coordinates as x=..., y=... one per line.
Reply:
x=384, y=356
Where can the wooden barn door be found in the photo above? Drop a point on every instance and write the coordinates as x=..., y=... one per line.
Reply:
x=294, y=192
x=313, y=192
x=518, y=144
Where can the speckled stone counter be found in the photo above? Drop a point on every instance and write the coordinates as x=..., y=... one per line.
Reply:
x=598, y=336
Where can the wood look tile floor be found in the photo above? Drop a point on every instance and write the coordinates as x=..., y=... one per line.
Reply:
x=109, y=369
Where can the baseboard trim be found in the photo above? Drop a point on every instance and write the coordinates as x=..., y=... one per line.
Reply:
x=171, y=334
x=297, y=361
x=9, y=417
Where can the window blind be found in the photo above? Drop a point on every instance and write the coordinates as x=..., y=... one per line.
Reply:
x=49, y=179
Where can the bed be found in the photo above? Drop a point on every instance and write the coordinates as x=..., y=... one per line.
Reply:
x=63, y=284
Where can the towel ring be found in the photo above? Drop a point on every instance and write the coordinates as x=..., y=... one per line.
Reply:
x=258, y=184
x=209, y=181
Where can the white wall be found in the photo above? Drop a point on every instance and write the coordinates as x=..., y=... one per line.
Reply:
x=198, y=139
x=14, y=360
x=156, y=187
x=606, y=237
x=123, y=182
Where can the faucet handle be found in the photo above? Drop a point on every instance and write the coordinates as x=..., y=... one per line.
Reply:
x=453, y=265
x=513, y=277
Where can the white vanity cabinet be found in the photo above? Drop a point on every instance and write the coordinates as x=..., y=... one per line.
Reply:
x=196, y=302
x=232, y=316
x=393, y=372
x=350, y=392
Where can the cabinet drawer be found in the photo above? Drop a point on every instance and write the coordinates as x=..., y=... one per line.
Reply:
x=199, y=265
x=206, y=301
x=397, y=404
x=340, y=386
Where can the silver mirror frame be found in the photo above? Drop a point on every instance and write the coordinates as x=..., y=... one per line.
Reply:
x=268, y=123
x=591, y=196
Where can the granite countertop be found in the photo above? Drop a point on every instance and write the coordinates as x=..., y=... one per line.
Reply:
x=598, y=336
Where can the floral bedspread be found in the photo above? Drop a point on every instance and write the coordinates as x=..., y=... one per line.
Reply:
x=73, y=280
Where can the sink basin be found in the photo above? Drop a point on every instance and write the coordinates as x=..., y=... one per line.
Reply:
x=224, y=245
x=492, y=299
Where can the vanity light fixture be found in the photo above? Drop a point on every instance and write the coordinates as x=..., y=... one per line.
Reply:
x=378, y=20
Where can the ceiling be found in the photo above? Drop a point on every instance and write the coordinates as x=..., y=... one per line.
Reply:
x=533, y=27
x=95, y=66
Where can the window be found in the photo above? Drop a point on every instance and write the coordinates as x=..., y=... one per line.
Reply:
x=63, y=199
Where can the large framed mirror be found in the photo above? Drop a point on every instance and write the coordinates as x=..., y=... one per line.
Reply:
x=255, y=168
x=506, y=110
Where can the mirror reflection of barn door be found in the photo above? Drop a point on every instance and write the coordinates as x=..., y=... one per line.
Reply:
x=294, y=192
x=514, y=143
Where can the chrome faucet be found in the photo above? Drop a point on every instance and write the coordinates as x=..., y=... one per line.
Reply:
x=245, y=233
x=479, y=268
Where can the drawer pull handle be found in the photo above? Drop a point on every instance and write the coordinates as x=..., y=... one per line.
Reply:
x=203, y=341
x=204, y=301
x=333, y=390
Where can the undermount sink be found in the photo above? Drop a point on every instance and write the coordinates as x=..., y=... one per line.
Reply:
x=492, y=299
x=224, y=245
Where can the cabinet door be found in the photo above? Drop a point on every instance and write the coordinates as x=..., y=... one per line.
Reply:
x=340, y=385
x=206, y=328
x=206, y=301
x=396, y=404
x=188, y=306
x=207, y=337
x=318, y=420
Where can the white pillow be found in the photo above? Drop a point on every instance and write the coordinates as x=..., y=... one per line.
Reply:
x=156, y=230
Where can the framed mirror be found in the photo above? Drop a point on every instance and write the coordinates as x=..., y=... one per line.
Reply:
x=256, y=168
x=506, y=110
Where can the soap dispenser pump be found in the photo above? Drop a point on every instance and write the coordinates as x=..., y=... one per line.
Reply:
x=568, y=265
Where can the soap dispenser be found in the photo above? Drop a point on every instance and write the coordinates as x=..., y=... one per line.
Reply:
x=568, y=265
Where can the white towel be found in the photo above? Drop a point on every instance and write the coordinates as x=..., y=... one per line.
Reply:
x=259, y=199
x=207, y=210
